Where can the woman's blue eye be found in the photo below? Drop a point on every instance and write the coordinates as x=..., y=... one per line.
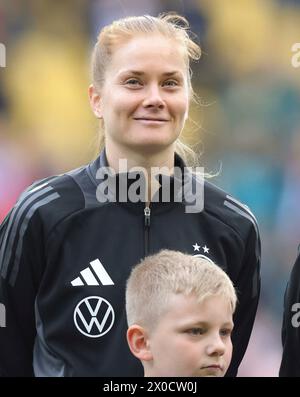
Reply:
x=132, y=82
x=171, y=83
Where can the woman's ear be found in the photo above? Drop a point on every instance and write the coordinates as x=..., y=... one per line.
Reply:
x=138, y=341
x=95, y=101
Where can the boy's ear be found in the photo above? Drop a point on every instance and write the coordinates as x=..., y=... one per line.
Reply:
x=138, y=342
x=95, y=101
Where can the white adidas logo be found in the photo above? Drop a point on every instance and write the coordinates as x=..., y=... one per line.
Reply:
x=89, y=277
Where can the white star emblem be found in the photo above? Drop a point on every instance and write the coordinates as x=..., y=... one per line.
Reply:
x=196, y=247
x=205, y=249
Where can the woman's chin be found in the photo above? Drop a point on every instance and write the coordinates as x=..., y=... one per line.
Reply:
x=151, y=146
x=152, y=143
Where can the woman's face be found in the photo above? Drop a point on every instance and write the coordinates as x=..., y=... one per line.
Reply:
x=144, y=101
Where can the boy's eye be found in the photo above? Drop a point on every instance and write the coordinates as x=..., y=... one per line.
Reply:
x=196, y=331
x=225, y=332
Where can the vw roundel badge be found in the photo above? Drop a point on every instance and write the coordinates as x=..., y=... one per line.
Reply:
x=94, y=316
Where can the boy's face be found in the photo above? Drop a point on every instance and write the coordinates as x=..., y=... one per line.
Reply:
x=192, y=339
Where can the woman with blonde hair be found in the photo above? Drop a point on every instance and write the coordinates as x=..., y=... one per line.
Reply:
x=68, y=245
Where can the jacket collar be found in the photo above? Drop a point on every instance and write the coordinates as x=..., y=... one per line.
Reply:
x=182, y=184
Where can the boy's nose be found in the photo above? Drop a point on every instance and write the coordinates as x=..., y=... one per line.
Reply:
x=216, y=346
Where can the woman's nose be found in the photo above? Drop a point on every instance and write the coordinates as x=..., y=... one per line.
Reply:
x=153, y=97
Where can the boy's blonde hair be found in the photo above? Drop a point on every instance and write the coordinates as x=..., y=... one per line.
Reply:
x=157, y=277
x=170, y=25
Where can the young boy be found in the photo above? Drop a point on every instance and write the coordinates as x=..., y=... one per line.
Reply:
x=179, y=311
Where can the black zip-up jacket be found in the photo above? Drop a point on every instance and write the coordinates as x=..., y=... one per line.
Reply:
x=65, y=258
x=290, y=363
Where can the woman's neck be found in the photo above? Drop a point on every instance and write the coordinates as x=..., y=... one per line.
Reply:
x=145, y=159
x=150, y=162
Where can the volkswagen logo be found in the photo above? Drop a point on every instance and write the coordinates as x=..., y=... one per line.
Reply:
x=94, y=316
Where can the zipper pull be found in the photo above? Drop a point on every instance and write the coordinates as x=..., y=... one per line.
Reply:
x=147, y=213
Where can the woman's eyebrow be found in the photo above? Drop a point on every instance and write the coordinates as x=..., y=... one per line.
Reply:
x=140, y=73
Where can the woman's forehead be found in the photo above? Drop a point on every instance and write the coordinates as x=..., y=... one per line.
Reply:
x=143, y=52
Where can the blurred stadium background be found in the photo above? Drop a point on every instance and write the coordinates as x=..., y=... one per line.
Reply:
x=248, y=120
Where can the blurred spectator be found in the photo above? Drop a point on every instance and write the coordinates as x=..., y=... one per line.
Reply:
x=103, y=12
x=48, y=94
